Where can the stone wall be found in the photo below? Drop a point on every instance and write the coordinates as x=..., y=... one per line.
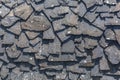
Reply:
x=59, y=39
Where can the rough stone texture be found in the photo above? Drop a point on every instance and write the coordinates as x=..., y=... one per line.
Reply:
x=59, y=40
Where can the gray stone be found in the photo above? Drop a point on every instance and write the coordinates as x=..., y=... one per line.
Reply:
x=48, y=34
x=4, y=72
x=106, y=15
x=107, y=78
x=73, y=76
x=86, y=76
x=61, y=76
x=57, y=25
x=15, y=29
x=51, y=4
x=2, y=32
x=35, y=41
x=22, y=41
x=68, y=47
x=23, y=11
x=36, y=23
x=102, y=9
x=90, y=3
x=37, y=7
x=89, y=30
x=95, y=71
x=113, y=54
x=81, y=46
x=73, y=3
x=90, y=43
x=73, y=31
x=97, y=52
x=103, y=42
x=99, y=23
x=8, y=38
x=12, y=52
x=9, y=20
x=55, y=47
x=110, y=2
x=116, y=8
x=4, y=11
x=70, y=19
x=117, y=32
x=25, y=67
x=22, y=58
x=11, y=65
x=75, y=69
x=63, y=57
x=30, y=50
x=91, y=16
x=80, y=54
x=81, y=9
x=109, y=34
x=62, y=35
x=31, y=34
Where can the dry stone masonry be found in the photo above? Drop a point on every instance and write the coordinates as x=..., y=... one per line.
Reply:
x=59, y=39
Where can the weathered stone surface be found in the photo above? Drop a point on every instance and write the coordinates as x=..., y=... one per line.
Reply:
x=103, y=42
x=68, y=47
x=51, y=4
x=22, y=41
x=31, y=35
x=9, y=38
x=107, y=78
x=90, y=3
x=109, y=34
x=4, y=72
x=16, y=29
x=113, y=54
x=23, y=11
x=12, y=52
x=117, y=32
x=36, y=23
x=9, y=20
x=4, y=11
x=73, y=76
x=48, y=34
x=95, y=72
x=88, y=29
x=97, y=52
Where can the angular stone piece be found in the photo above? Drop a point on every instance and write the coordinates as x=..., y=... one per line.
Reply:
x=49, y=34
x=81, y=9
x=95, y=71
x=97, y=52
x=116, y=8
x=35, y=41
x=23, y=11
x=103, y=9
x=88, y=29
x=36, y=23
x=109, y=34
x=68, y=47
x=4, y=72
x=103, y=42
x=62, y=58
x=107, y=78
x=51, y=4
x=30, y=50
x=55, y=47
x=8, y=38
x=11, y=66
x=4, y=11
x=117, y=32
x=31, y=34
x=16, y=29
x=90, y=43
x=22, y=41
x=75, y=69
x=73, y=31
x=12, y=52
x=113, y=54
x=73, y=76
x=9, y=20
x=90, y=3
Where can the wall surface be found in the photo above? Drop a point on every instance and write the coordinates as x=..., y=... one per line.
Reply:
x=59, y=39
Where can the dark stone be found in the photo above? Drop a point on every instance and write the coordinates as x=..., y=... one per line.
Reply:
x=23, y=11
x=36, y=23
x=68, y=47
